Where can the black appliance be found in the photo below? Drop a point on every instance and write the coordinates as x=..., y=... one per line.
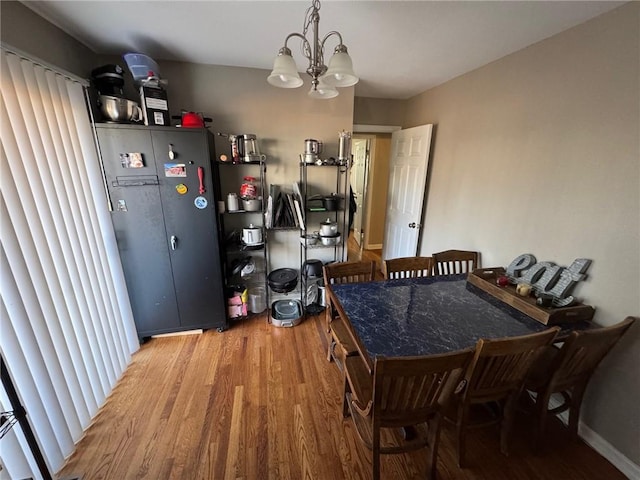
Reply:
x=160, y=186
x=108, y=80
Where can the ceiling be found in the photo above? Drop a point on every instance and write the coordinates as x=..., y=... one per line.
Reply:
x=399, y=48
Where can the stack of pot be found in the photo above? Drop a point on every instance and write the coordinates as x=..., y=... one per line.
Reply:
x=329, y=234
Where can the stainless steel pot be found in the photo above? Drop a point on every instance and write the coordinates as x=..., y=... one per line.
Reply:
x=328, y=228
x=330, y=203
x=119, y=109
x=251, y=204
x=309, y=239
x=330, y=240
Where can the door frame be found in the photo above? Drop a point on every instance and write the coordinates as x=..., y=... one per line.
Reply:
x=370, y=132
x=362, y=212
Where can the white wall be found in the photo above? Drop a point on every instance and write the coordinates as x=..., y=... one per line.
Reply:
x=539, y=153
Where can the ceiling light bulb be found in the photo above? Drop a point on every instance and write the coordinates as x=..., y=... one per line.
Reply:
x=285, y=74
x=322, y=91
x=340, y=71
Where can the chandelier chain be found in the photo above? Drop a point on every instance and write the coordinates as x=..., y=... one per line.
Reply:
x=306, y=48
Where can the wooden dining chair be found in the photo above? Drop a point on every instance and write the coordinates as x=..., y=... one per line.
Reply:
x=451, y=262
x=339, y=340
x=399, y=408
x=407, y=267
x=495, y=377
x=567, y=370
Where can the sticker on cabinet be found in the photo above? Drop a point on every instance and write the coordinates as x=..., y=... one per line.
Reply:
x=201, y=202
x=131, y=160
x=175, y=170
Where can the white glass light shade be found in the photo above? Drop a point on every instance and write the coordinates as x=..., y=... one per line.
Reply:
x=340, y=72
x=323, y=91
x=284, y=74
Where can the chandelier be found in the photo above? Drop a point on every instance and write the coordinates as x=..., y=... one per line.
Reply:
x=324, y=80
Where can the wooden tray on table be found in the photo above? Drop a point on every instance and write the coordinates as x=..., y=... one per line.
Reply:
x=485, y=279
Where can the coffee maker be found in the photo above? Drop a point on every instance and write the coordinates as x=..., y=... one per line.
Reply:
x=114, y=107
x=109, y=80
x=312, y=150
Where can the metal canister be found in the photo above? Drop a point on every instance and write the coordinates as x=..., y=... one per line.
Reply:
x=235, y=152
x=344, y=149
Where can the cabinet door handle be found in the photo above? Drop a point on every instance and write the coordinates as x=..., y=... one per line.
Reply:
x=174, y=242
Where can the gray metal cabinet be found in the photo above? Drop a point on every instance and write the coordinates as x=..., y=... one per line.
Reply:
x=165, y=221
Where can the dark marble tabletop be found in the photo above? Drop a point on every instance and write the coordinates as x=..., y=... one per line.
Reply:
x=427, y=316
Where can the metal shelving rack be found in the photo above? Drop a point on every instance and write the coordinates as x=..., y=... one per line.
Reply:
x=311, y=217
x=231, y=245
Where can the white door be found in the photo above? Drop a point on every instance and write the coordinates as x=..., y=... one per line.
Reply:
x=408, y=169
x=360, y=148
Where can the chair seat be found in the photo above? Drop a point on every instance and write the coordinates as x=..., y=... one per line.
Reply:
x=360, y=380
x=392, y=440
x=567, y=371
x=398, y=407
x=496, y=376
x=340, y=341
x=340, y=333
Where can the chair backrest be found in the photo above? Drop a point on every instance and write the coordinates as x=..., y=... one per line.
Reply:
x=409, y=390
x=451, y=262
x=499, y=366
x=408, y=267
x=582, y=352
x=349, y=272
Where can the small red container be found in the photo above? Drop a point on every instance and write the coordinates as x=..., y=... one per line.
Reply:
x=192, y=120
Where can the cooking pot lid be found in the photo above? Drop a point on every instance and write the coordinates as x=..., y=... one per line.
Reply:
x=283, y=276
x=238, y=265
x=328, y=221
x=286, y=308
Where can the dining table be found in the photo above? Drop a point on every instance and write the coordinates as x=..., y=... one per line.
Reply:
x=426, y=316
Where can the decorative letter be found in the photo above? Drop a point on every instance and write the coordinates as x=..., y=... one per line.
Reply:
x=548, y=279
x=568, y=278
x=521, y=263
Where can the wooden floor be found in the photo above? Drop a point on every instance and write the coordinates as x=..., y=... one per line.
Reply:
x=355, y=254
x=260, y=402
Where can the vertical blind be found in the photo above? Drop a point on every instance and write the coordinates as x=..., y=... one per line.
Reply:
x=67, y=332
